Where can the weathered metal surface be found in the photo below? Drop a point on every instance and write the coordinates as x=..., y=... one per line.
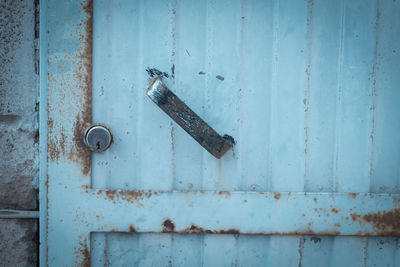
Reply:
x=68, y=36
x=359, y=214
x=312, y=112
x=206, y=136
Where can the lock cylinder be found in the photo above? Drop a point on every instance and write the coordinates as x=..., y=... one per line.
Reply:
x=98, y=138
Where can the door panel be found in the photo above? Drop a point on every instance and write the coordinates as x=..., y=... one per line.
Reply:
x=127, y=249
x=308, y=90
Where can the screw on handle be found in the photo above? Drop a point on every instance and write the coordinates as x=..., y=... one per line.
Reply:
x=206, y=136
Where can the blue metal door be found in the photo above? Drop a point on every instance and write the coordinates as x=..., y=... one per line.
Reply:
x=309, y=90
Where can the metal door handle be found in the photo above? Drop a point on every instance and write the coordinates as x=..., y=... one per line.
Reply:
x=206, y=136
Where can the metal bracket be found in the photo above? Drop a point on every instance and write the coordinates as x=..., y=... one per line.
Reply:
x=206, y=136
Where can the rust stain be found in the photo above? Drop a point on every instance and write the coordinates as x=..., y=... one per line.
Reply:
x=315, y=200
x=352, y=195
x=132, y=228
x=277, y=196
x=232, y=231
x=386, y=222
x=81, y=154
x=168, y=226
x=334, y=210
x=355, y=216
x=61, y=144
x=82, y=252
x=226, y=193
x=125, y=195
x=195, y=229
x=52, y=151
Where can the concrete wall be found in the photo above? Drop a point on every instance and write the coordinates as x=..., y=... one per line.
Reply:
x=19, y=135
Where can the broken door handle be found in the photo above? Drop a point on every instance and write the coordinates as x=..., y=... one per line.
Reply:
x=206, y=136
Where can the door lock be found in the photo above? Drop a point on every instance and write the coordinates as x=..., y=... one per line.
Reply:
x=206, y=136
x=98, y=138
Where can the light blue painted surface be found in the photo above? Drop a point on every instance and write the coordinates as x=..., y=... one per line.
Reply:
x=310, y=94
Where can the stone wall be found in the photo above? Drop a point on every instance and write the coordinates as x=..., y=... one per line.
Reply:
x=19, y=134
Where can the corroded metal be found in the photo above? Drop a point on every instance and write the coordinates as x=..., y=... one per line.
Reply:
x=206, y=136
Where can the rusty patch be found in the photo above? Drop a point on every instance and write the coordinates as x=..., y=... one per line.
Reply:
x=226, y=193
x=132, y=228
x=168, y=226
x=58, y=144
x=110, y=194
x=385, y=221
x=352, y=195
x=232, y=231
x=126, y=195
x=334, y=210
x=52, y=150
x=315, y=200
x=82, y=251
x=277, y=196
x=195, y=230
x=81, y=154
x=355, y=216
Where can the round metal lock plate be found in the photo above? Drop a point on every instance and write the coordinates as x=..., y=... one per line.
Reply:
x=98, y=138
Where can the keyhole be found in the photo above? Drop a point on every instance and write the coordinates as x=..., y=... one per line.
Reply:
x=98, y=145
x=98, y=138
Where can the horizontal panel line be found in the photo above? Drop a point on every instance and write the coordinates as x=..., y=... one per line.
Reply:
x=224, y=212
x=18, y=214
